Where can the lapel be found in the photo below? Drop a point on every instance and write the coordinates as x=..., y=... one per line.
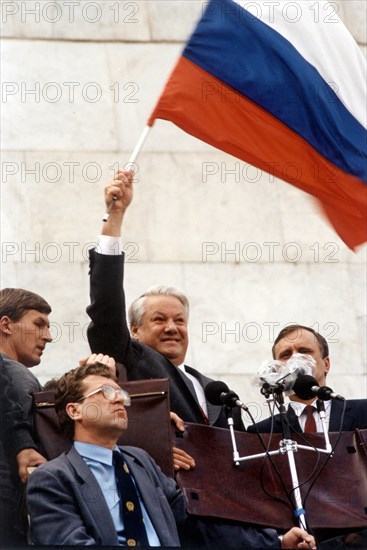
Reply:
x=214, y=411
x=292, y=419
x=93, y=499
x=336, y=414
x=188, y=383
x=148, y=493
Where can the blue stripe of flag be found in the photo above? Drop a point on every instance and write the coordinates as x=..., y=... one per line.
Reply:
x=258, y=62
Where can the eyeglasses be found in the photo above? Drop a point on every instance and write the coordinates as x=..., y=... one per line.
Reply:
x=110, y=393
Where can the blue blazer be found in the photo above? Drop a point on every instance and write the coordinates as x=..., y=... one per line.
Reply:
x=355, y=417
x=67, y=507
x=108, y=333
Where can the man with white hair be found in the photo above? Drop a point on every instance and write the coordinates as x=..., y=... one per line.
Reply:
x=157, y=345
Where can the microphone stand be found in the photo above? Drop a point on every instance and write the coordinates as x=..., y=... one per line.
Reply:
x=321, y=410
x=286, y=446
x=229, y=415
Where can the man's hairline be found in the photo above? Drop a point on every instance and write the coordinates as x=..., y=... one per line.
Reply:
x=296, y=330
x=26, y=313
x=85, y=378
x=146, y=296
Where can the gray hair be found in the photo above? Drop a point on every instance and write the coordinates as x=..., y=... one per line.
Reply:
x=137, y=310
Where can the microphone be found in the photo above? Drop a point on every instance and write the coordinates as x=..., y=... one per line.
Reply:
x=306, y=387
x=276, y=376
x=218, y=393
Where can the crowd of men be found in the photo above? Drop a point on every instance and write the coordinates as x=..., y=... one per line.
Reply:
x=99, y=493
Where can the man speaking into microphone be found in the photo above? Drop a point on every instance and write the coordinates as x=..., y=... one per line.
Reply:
x=302, y=413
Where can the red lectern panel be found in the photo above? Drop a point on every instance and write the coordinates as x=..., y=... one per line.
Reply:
x=334, y=490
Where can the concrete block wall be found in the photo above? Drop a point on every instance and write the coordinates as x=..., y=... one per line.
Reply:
x=251, y=252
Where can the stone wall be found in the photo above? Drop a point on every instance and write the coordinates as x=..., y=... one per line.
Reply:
x=250, y=251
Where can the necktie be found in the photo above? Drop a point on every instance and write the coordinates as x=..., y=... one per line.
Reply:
x=134, y=528
x=310, y=425
x=205, y=418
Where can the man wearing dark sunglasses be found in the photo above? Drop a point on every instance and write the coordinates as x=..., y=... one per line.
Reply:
x=98, y=493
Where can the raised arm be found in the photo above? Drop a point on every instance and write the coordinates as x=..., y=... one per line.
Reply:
x=118, y=192
x=108, y=333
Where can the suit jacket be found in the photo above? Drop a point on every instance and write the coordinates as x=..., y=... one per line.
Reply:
x=17, y=384
x=67, y=507
x=355, y=417
x=108, y=333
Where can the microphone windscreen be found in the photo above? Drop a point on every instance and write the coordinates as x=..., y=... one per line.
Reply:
x=214, y=390
x=303, y=386
x=230, y=399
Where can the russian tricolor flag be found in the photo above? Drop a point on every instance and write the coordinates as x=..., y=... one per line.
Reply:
x=282, y=86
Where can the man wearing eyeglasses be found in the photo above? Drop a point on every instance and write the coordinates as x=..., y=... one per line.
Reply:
x=103, y=495
x=98, y=493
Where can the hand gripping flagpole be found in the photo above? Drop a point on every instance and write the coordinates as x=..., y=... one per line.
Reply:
x=131, y=162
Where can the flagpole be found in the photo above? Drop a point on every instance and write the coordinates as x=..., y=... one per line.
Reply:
x=130, y=164
x=138, y=147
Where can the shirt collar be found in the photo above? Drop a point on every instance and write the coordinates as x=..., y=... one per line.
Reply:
x=95, y=452
x=299, y=407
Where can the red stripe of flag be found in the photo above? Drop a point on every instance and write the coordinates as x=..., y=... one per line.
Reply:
x=210, y=110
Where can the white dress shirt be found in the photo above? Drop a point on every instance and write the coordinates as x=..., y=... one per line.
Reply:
x=299, y=408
